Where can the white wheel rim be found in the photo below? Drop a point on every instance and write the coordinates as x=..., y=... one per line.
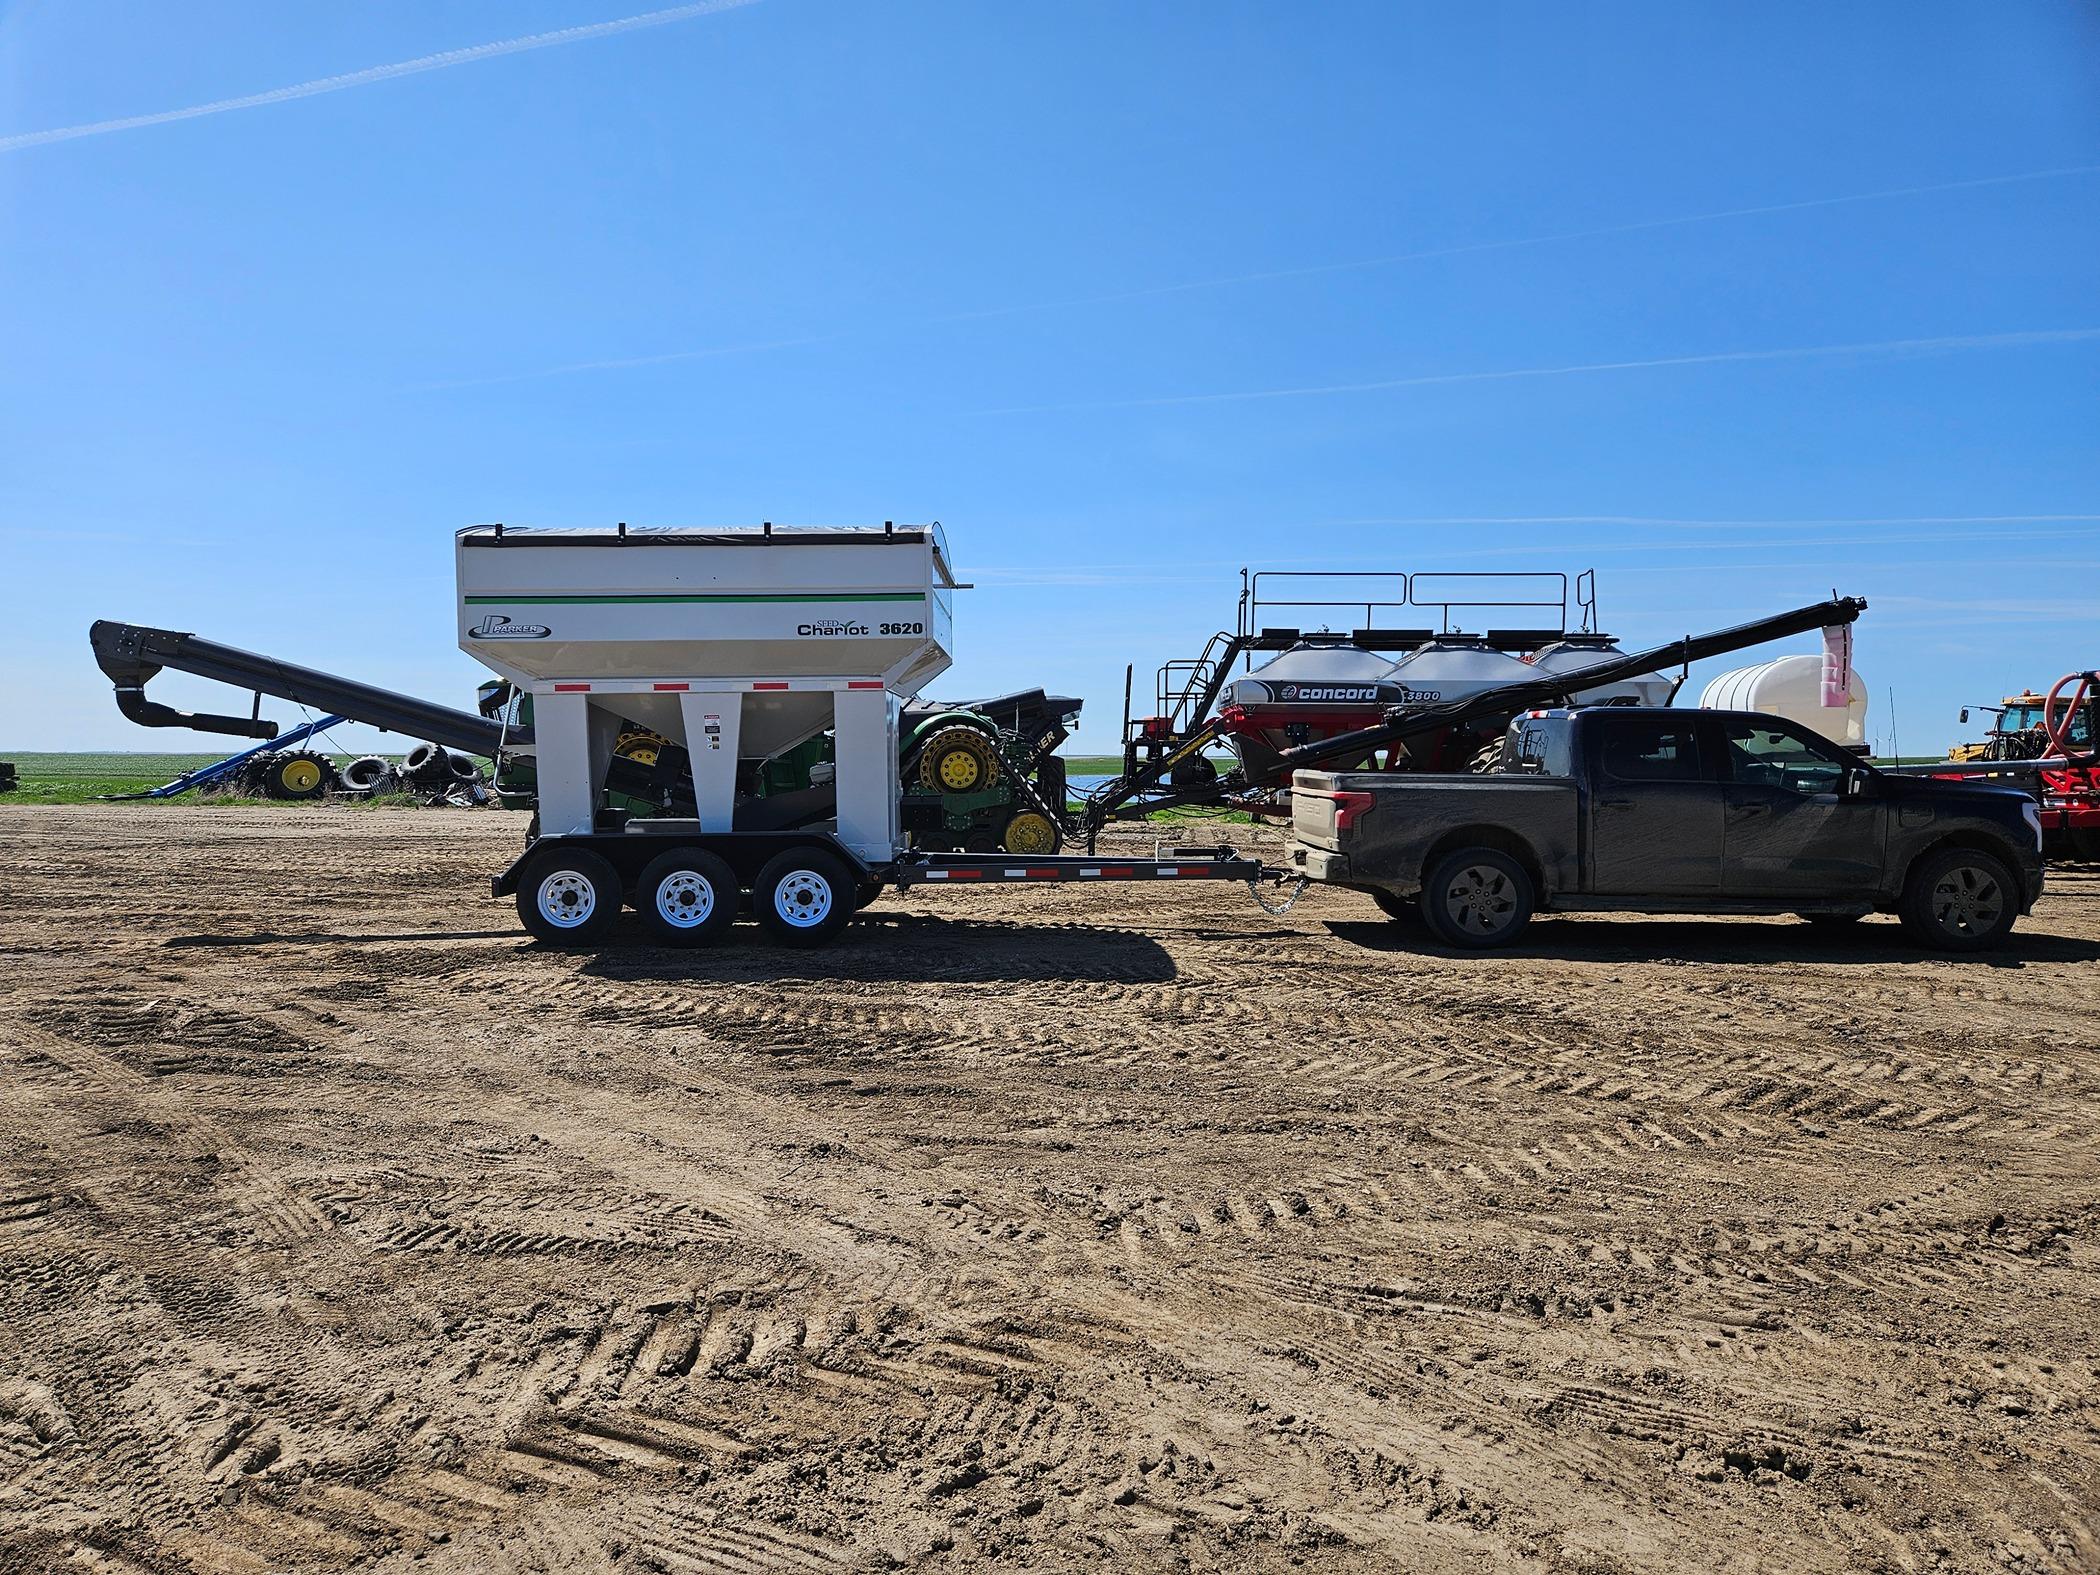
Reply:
x=685, y=899
x=802, y=898
x=1479, y=900
x=567, y=899
x=1966, y=901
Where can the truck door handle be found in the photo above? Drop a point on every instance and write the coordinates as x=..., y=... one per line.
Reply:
x=1615, y=803
x=1753, y=809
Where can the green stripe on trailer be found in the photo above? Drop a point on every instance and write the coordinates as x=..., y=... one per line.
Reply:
x=574, y=601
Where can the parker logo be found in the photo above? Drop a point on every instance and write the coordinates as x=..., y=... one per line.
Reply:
x=1342, y=692
x=497, y=626
x=832, y=626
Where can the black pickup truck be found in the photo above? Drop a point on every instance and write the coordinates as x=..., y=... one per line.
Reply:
x=1673, y=811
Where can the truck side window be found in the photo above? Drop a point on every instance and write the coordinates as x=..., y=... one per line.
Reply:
x=1650, y=749
x=1767, y=756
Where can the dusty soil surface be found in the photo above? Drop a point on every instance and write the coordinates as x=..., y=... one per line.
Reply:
x=340, y=1226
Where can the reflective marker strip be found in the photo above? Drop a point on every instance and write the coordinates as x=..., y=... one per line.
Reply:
x=864, y=683
x=572, y=689
x=677, y=688
x=769, y=686
x=1090, y=872
x=1044, y=874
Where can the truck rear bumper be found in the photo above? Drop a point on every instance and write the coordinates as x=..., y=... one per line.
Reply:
x=1321, y=865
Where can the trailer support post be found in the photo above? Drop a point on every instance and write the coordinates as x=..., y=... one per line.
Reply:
x=566, y=764
x=714, y=721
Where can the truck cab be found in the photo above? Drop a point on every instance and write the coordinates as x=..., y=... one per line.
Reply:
x=1667, y=810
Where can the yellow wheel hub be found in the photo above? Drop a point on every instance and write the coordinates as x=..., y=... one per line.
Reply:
x=959, y=770
x=300, y=776
x=1029, y=832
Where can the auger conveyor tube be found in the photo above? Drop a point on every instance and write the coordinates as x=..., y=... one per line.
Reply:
x=1544, y=690
x=131, y=654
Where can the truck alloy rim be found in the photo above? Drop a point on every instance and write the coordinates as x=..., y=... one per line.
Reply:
x=1966, y=901
x=802, y=898
x=1479, y=899
x=567, y=899
x=685, y=898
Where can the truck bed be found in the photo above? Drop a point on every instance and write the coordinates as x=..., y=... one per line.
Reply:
x=1394, y=820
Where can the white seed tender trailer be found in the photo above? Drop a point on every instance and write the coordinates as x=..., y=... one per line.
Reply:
x=735, y=645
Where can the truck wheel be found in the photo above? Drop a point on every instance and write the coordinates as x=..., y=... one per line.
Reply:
x=1959, y=901
x=569, y=897
x=805, y=896
x=687, y=897
x=1476, y=898
x=1401, y=910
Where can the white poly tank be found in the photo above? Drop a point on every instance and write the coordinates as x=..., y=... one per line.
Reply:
x=1792, y=687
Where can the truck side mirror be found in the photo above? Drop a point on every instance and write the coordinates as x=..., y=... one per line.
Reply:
x=1858, y=782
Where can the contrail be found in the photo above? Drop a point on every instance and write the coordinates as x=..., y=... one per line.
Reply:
x=352, y=79
x=1939, y=346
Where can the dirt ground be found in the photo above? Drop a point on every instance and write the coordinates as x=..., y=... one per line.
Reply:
x=1034, y=1229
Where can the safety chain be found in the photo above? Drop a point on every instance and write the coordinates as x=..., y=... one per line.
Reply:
x=1290, y=902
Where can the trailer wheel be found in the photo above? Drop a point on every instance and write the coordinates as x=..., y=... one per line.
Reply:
x=687, y=897
x=1477, y=898
x=569, y=897
x=805, y=896
x=1959, y=901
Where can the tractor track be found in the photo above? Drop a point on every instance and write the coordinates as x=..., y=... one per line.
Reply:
x=1048, y=1229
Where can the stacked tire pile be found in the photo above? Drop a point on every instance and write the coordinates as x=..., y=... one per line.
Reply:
x=433, y=773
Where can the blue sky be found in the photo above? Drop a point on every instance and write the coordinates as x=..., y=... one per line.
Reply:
x=1127, y=295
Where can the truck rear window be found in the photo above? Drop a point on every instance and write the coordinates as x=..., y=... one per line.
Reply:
x=1648, y=748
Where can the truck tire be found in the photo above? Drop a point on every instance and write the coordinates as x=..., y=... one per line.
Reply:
x=1401, y=910
x=569, y=897
x=687, y=897
x=1476, y=898
x=1959, y=901
x=805, y=896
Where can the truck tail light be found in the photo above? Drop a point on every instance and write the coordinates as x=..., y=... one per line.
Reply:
x=1347, y=806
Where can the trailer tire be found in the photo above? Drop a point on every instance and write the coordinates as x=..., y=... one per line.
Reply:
x=804, y=896
x=1959, y=900
x=687, y=897
x=1476, y=898
x=464, y=768
x=569, y=897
